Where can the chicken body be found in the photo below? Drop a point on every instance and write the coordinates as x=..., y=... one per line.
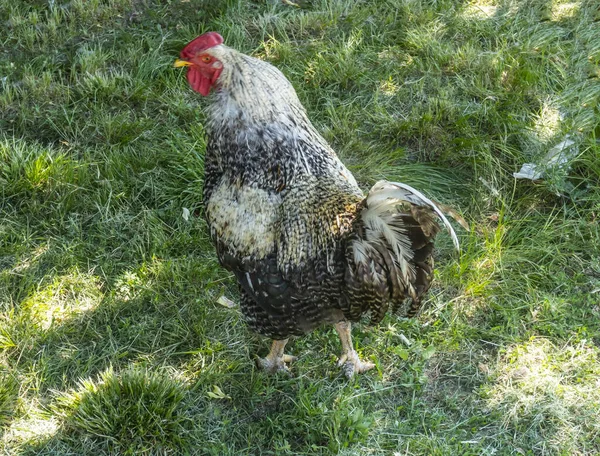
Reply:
x=289, y=220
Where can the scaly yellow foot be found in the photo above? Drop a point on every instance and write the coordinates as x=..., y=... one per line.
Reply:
x=349, y=360
x=276, y=360
x=351, y=364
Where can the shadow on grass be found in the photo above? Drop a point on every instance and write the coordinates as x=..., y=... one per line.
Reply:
x=122, y=363
x=148, y=325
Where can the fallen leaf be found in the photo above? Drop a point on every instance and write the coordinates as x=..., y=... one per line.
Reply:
x=217, y=393
x=226, y=302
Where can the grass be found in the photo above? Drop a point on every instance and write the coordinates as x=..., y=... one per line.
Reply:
x=111, y=340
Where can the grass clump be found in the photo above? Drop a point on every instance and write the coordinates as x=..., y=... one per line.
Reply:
x=9, y=394
x=134, y=412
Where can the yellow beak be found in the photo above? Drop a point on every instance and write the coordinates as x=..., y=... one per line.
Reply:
x=181, y=63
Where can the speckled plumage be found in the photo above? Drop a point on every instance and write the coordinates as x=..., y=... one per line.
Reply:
x=289, y=220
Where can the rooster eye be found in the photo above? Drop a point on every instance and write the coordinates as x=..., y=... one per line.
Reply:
x=206, y=59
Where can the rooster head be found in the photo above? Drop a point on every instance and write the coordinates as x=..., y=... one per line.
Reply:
x=204, y=68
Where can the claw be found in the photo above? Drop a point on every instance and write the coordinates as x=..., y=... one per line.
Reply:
x=351, y=364
x=276, y=360
x=272, y=366
x=289, y=358
x=349, y=360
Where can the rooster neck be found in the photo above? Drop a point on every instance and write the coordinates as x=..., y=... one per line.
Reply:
x=266, y=144
x=269, y=156
x=259, y=132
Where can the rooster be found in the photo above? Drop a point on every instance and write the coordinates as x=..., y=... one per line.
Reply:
x=288, y=218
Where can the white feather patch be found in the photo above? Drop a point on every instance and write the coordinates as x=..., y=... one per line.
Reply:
x=384, y=194
x=378, y=225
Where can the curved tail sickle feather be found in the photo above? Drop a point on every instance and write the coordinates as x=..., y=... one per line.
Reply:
x=384, y=192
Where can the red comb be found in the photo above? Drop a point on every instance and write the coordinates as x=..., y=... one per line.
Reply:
x=202, y=43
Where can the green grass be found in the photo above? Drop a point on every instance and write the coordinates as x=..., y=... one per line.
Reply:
x=111, y=340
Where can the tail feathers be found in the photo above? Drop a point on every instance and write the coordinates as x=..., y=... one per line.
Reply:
x=389, y=256
x=387, y=194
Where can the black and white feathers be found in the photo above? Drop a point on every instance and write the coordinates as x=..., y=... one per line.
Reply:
x=389, y=254
x=288, y=218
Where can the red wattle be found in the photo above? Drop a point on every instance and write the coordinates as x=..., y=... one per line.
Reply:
x=205, y=85
x=198, y=81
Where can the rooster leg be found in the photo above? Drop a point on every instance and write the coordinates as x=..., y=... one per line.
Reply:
x=276, y=360
x=349, y=361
